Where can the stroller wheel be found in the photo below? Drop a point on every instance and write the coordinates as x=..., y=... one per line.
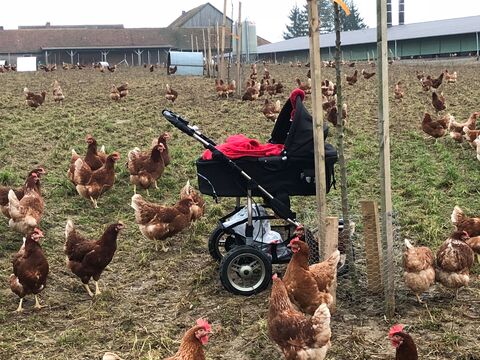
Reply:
x=220, y=243
x=245, y=271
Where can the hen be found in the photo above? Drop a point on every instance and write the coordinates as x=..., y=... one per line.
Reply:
x=30, y=269
x=170, y=94
x=456, y=129
x=351, y=80
x=464, y=223
x=304, y=86
x=450, y=77
x=405, y=348
x=308, y=286
x=474, y=243
x=145, y=167
x=114, y=93
x=159, y=222
x=25, y=214
x=419, y=271
x=297, y=336
x=435, y=128
x=92, y=183
x=438, y=101
x=398, y=93
x=34, y=100
x=123, y=90
x=191, y=347
x=366, y=74
x=162, y=139
x=454, y=260
x=19, y=191
x=88, y=258
x=252, y=91
x=57, y=92
x=271, y=109
x=198, y=207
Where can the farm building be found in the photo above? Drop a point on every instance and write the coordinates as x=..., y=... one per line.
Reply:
x=419, y=40
x=113, y=43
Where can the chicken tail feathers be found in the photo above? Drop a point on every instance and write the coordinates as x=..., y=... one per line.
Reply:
x=408, y=244
x=457, y=215
x=13, y=204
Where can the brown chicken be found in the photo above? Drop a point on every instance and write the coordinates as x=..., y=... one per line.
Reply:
x=30, y=269
x=278, y=86
x=114, y=93
x=92, y=183
x=351, y=80
x=306, y=288
x=88, y=258
x=474, y=243
x=221, y=88
x=271, y=109
x=191, y=346
x=297, y=336
x=123, y=90
x=398, y=93
x=57, y=92
x=450, y=77
x=145, y=168
x=112, y=68
x=332, y=115
x=434, y=128
x=34, y=100
x=19, y=191
x=198, y=207
x=470, y=135
x=252, y=91
x=438, y=101
x=420, y=75
x=405, y=348
x=94, y=158
x=306, y=87
x=457, y=129
x=464, y=223
x=454, y=260
x=437, y=82
x=419, y=271
x=366, y=74
x=162, y=139
x=159, y=222
x=25, y=214
x=171, y=70
x=170, y=94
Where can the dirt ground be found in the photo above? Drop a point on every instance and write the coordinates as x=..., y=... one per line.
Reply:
x=150, y=297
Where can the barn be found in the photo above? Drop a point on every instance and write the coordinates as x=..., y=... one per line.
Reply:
x=113, y=43
x=441, y=38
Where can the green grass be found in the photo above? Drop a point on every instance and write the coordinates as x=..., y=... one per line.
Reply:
x=149, y=298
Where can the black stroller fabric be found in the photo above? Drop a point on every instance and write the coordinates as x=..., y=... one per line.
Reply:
x=292, y=173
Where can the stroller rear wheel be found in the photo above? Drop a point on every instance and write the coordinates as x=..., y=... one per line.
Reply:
x=221, y=242
x=245, y=271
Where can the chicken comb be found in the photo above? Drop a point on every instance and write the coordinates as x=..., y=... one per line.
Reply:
x=295, y=239
x=395, y=329
x=204, y=323
x=274, y=276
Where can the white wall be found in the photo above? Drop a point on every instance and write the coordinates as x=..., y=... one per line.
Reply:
x=27, y=63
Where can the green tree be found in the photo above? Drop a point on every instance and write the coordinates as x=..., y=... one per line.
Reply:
x=352, y=22
x=298, y=24
x=325, y=11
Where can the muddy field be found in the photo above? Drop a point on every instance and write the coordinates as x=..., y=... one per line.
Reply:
x=150, y=297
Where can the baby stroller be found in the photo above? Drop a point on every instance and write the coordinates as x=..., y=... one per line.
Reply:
x=244, y=242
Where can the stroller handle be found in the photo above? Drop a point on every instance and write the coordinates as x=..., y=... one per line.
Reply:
x=178, y=122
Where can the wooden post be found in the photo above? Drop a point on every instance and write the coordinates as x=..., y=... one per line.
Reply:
x=217, y=75
x=222, y=52
x=340, y=150
x=205, y=53
x=196, y=41
x=373, y=248
x=209, y=53
x=384, y=139
x=46, y=57
x=317, y=114
x=239, y=49
x=331, y=245
x=191, y=41
x=148, y=57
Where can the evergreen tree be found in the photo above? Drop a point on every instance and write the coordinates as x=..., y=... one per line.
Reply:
x=325, y=12
x=299, y=24
x=352, y=22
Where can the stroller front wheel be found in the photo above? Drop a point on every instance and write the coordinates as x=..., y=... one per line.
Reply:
x=221, y=242
x=245, y=271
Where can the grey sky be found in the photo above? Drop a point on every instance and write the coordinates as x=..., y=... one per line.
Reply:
x=270, y=16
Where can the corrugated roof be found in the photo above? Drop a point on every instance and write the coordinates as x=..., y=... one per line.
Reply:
x=182, y=19
x=465, y=25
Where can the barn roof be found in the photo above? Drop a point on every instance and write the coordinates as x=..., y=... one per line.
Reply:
x=455, y=26
x=34, y=40
x=182, y=19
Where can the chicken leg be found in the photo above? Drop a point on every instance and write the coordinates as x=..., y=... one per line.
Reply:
x=418, y=299
x=97, y=289
x=37, y=303
x=94, y=202
x=20, y=308
x=134, y=189
x=88, y=290
x=156, y=185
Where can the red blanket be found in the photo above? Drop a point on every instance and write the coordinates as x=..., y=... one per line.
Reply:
x=237, y=146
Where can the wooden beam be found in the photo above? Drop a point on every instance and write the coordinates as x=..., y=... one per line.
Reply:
x=373, y=247
x=239, y=49
x=191, y=41
x=222, y=52
x=205, y=52
x=317, y=114
x=384, y=138
x=217, y=63
x=331, y=245
x=209, y=53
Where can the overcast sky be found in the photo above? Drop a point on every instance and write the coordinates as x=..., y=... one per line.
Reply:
x=270, y=16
